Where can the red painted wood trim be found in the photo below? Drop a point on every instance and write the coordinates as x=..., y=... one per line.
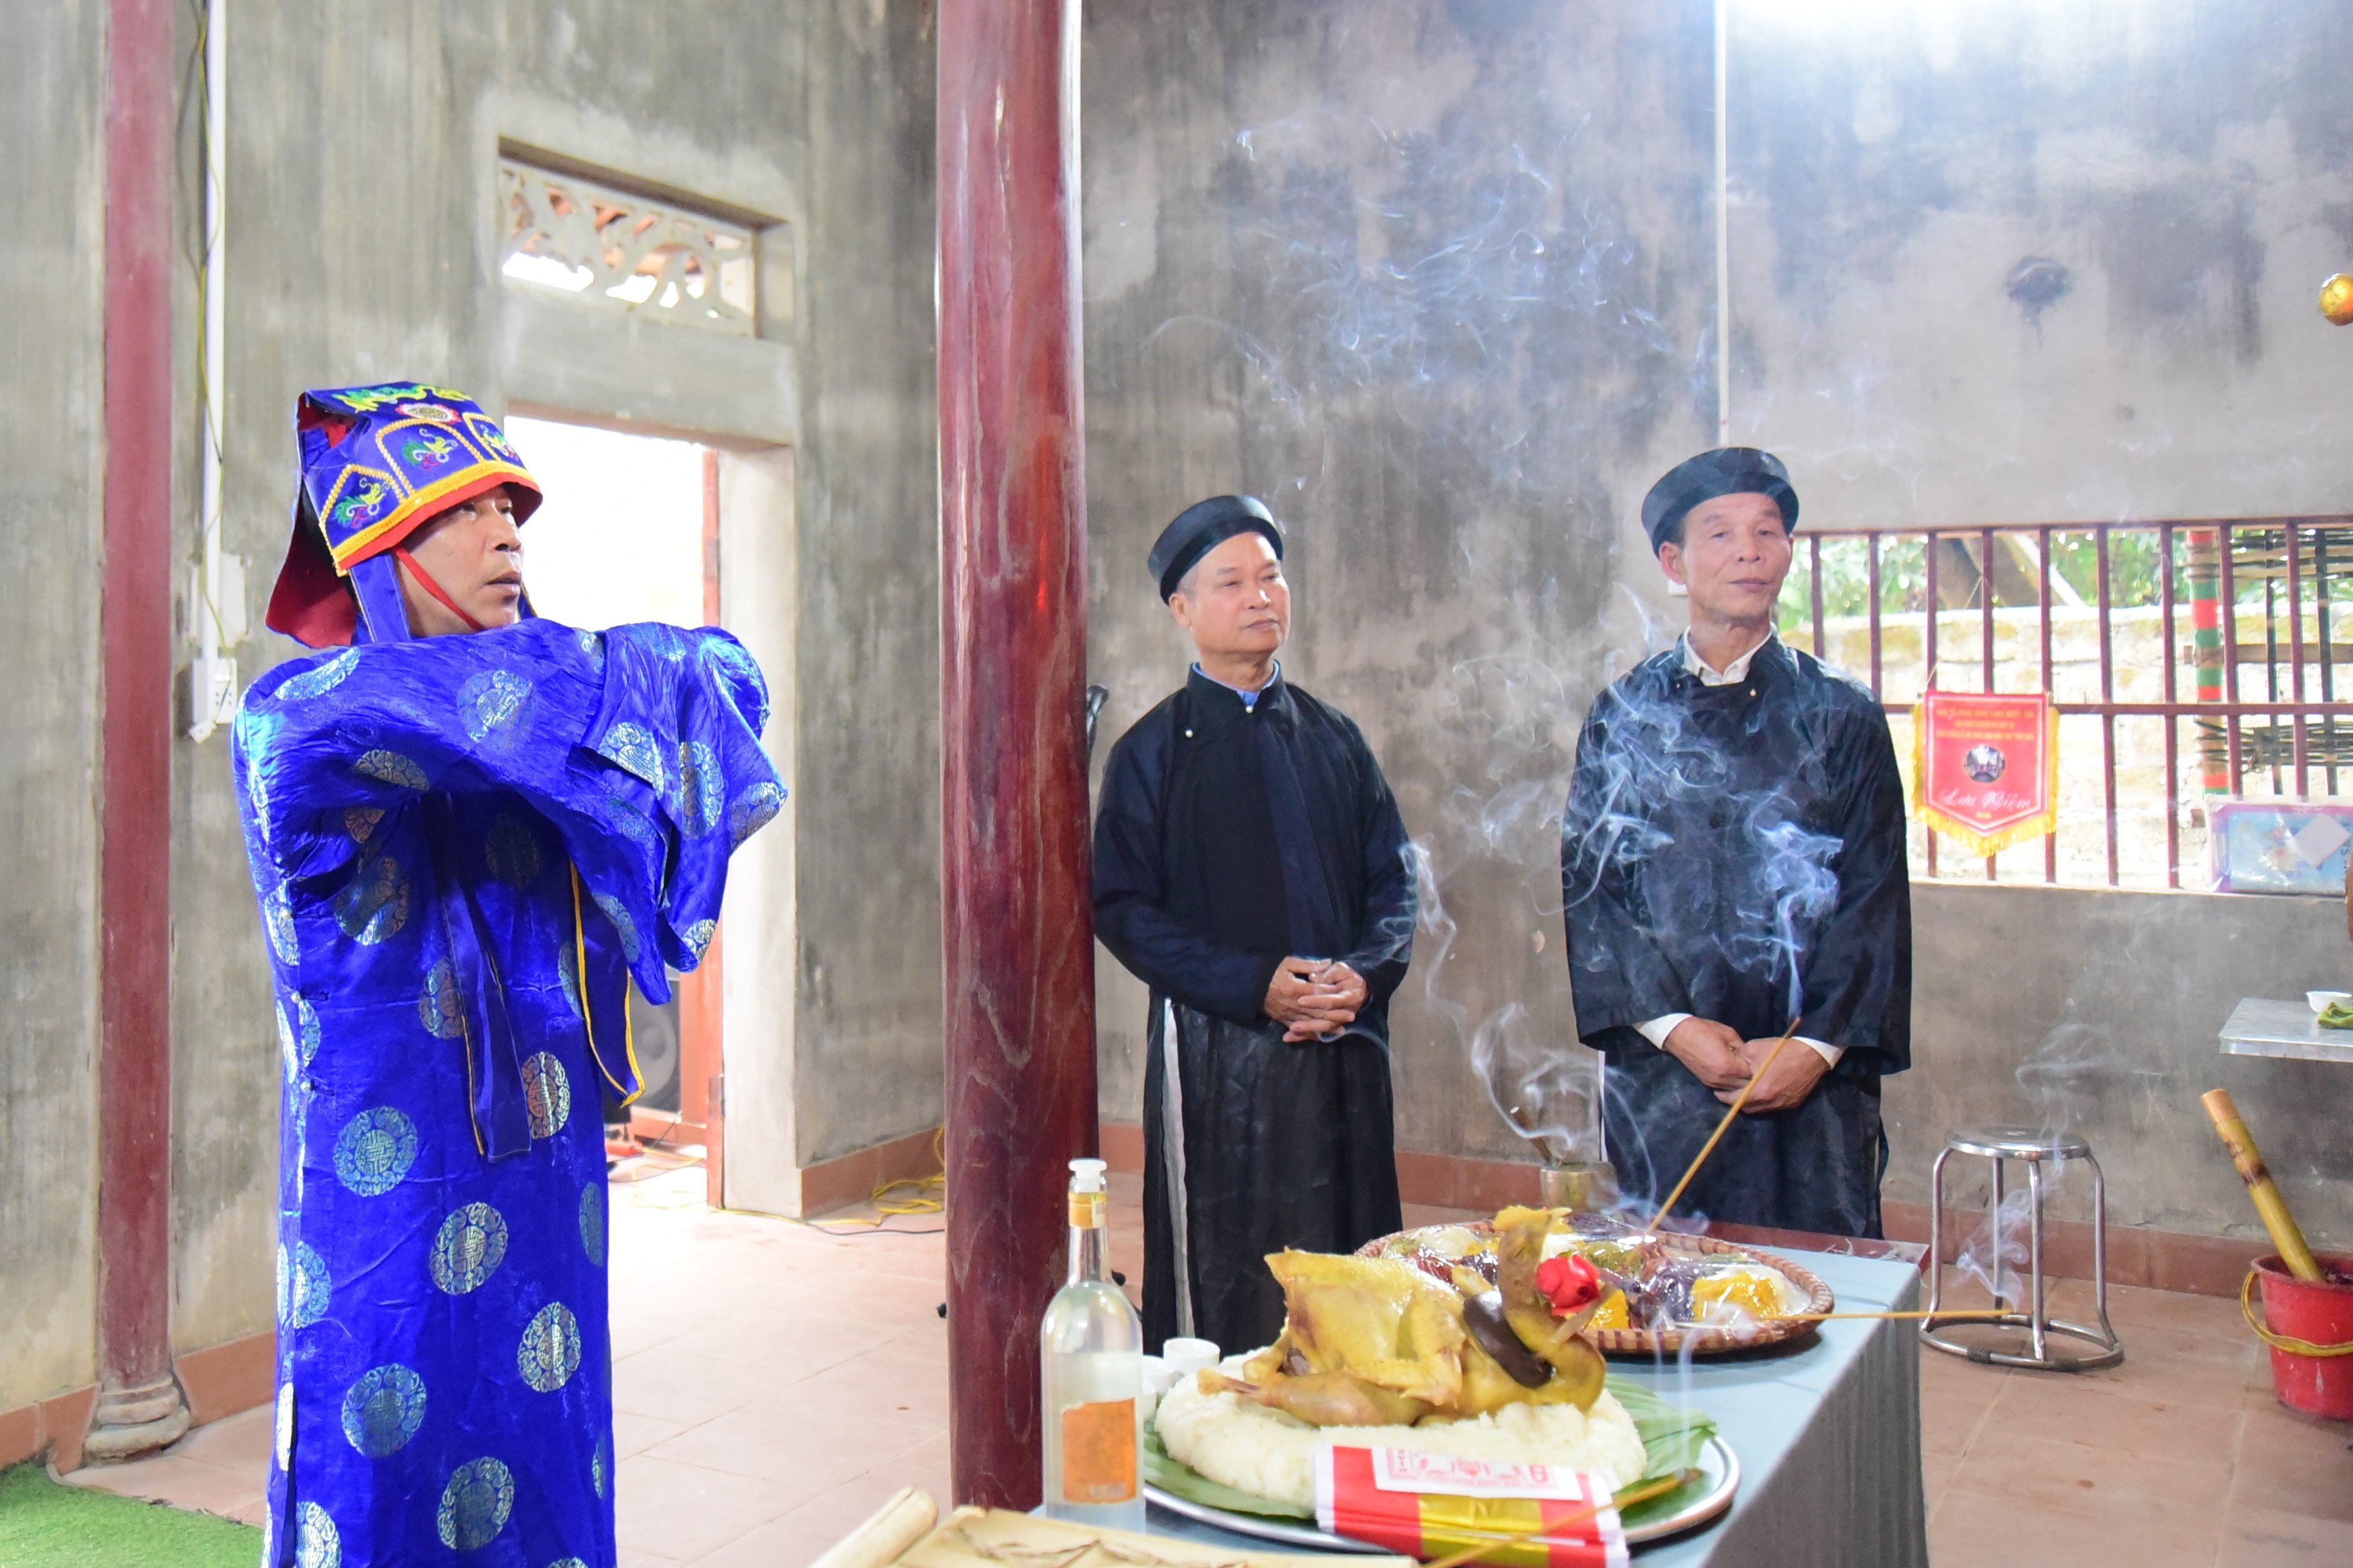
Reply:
x=1014, y=884
x=134, y=1078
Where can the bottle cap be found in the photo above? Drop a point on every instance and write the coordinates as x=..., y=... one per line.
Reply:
x=1087, y=1175
x=1185, y=1356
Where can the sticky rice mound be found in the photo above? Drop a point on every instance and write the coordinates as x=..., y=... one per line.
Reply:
x=1265, y=1452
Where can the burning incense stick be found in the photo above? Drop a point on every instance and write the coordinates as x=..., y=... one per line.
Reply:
x=1626, y=1499
x=1722, y=1127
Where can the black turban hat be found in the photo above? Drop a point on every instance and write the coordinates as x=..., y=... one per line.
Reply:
x=1726, y=471
x=1201, y=528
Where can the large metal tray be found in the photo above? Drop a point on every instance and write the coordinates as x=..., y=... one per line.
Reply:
x=1700, y=1339
x=1719, y=1478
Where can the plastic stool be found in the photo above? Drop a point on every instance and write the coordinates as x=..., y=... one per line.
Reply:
x=2001, y=1145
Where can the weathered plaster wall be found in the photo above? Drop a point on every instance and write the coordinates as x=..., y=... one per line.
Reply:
x=869, y=650
x=2097, y=1012
x=1436, y=279
x=52, y=260
x=2018, y=261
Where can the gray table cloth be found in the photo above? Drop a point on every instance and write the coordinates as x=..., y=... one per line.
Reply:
x=1828, y=1439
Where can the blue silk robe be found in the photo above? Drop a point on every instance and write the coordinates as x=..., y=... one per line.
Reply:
x=465, y=847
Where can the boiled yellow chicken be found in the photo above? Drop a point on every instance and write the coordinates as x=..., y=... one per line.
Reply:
x=1375, y=1341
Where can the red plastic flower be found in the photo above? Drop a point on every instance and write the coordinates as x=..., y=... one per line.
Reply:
x=1570, y=1281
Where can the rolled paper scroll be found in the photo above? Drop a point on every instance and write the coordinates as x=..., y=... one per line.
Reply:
x=886, y=1535
x=2269, y=1204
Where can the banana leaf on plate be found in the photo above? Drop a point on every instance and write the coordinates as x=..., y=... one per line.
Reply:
x=1673, y=1437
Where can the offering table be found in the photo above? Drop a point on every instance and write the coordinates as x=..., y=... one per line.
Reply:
x=1827, y=1435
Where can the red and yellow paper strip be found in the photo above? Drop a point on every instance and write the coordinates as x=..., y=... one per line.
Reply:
x=1985, y=767
x=1429, y=1505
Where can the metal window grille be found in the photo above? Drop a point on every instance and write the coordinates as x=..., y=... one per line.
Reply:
x=2194, y=659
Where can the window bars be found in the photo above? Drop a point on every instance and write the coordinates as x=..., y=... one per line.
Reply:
x=2197, y=658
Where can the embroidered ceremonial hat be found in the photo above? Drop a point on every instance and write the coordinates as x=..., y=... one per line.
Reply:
x=376, y=461
x=1201, y=528
x=1725, y=471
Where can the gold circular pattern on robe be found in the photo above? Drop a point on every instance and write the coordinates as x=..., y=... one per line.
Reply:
x=600, y=1463
x=491, y=704
x=375, y=1149
x=278, y=917
x=623, y=926
x=550, y=1352
x=438, y=1004
x=633, y=747
x=285, y=1449
x=316, y=1545
x=632, y=820
x=303, y=1287
x=752, y=810
x=701, y=792
x=475, y=1505
x=547, y=1090
x=373, y=905
x=382, y=1410
x=468, y=1248
x=592, y=1222
x=512, y=851
x=321, y=680
x=568, y=977
x=360, y=821
x=392, y=768
x=297, y=1034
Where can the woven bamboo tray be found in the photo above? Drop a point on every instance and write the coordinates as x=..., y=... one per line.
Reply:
x=1701, y=1341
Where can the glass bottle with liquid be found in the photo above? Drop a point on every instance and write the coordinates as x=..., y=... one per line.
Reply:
x=1092, y=1368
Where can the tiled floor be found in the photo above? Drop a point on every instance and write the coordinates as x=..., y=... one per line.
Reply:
x=773, y=1385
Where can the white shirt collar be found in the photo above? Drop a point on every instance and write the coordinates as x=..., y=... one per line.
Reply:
x=1731, y=674
x=1249, y=699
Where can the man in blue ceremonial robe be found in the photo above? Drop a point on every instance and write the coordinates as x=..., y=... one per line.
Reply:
x=469, y=830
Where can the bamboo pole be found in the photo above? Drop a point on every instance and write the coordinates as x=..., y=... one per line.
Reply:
x=2276, y=1216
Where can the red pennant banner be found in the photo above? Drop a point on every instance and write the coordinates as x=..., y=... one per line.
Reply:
x=1985, y=767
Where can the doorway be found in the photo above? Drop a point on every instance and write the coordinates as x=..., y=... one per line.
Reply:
x=628, y=531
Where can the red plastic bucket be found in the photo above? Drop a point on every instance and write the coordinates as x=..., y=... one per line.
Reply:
x=2314, y=1315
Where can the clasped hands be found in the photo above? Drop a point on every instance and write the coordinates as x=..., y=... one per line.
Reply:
x=1720, y=1059
x=1314, y=998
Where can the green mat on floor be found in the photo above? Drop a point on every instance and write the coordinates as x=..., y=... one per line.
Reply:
x=45, y=1525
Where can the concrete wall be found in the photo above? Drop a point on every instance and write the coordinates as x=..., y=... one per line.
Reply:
x=1437, y=279
x=1434, y=280
x=870, y=966
x=2097, y=1012
x=52, y=259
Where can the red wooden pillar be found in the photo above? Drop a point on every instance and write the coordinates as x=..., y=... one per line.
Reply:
x=138, y=1404
x=1017, y=928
